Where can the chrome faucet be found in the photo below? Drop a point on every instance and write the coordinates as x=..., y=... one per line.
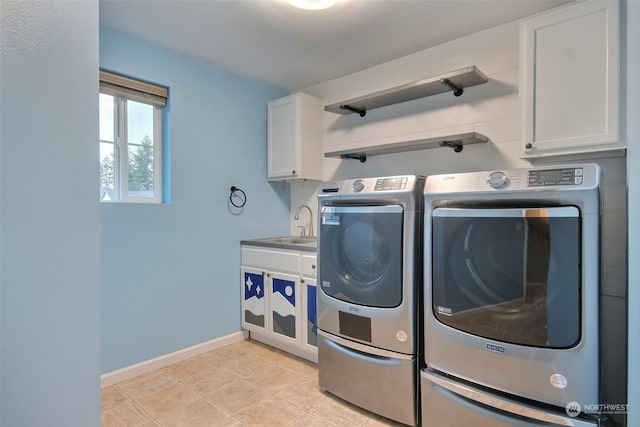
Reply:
x=297, y=217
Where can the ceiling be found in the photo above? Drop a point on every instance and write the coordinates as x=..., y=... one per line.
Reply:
x=270, y=41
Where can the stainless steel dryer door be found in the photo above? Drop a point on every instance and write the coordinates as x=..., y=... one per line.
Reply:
x=511, y=275
x=360, y=254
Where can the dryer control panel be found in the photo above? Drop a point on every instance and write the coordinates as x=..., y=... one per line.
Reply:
x=565, y=176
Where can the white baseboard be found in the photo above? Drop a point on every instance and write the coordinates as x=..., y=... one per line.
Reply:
x=169, y=359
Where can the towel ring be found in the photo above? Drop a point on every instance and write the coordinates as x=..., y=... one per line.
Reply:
x=243, y=197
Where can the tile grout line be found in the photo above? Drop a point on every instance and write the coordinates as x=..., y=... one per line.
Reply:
x=136, y=404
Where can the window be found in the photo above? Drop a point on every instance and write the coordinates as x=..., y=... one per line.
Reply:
x=130, y=139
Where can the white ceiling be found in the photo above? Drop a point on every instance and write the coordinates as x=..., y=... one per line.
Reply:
x=270, y=41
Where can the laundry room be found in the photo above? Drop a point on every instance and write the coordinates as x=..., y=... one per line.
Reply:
x=438, y=236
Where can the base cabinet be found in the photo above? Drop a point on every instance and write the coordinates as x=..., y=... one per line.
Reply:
x=279, y=299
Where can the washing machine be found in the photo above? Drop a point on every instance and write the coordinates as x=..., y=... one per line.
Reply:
x=512, y=277
x=369, y=299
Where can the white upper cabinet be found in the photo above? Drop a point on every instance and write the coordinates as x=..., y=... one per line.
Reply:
x=295, y=138
x=569, y=64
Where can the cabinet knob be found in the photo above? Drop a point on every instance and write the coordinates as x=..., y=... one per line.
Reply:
x=268, y=274
x=528, y=146
x=301, y=280
x=313, y=266
x=264, y=272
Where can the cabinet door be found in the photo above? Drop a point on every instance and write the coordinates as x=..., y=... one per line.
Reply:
x=295, y=138
x=570, y=79
x=254, y=300
x=308, y=266
x=309, y=318
x=309, y=303
x=284, y=307
x=283, y=121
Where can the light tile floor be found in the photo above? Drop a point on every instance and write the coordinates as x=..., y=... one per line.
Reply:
x=243, y=384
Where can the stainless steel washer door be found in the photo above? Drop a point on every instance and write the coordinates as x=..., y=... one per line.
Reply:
x=361, y=254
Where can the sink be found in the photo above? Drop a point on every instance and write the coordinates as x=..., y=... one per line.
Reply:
x=286, y=242
x=294, y=240
x=291, y=240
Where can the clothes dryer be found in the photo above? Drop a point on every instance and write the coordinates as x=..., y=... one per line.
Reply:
x=512, y=276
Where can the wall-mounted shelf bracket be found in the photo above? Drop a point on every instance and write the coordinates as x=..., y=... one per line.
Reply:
x=457, y=147
x=457, y=90
x=361, y=112
x=454, y=80
x=355, y=156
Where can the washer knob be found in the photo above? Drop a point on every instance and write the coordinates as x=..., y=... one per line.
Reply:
x=497, y=179
x=358, y=185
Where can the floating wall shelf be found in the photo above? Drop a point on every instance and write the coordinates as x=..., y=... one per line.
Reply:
x=456, y=142
x=454, y=81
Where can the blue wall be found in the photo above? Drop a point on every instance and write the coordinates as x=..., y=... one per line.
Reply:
x=50, y=229
x=171, y=272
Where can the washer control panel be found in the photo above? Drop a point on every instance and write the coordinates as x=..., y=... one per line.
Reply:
x=371, y=185
x=564, y=176
x=497, y=179
x=385, y=184
x=357, y=185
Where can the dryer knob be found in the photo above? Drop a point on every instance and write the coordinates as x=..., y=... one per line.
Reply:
x=358, y=185
x=497, y=180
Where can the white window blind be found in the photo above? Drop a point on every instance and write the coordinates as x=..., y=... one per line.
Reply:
x=119, y=85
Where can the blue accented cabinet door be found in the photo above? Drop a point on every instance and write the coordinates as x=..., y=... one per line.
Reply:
x=254, y=300
x=311, y=325
x=308, y=268
x=284, y=306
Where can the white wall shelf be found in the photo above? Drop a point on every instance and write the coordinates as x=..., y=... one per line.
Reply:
x=456, y=142
x=454, y=81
